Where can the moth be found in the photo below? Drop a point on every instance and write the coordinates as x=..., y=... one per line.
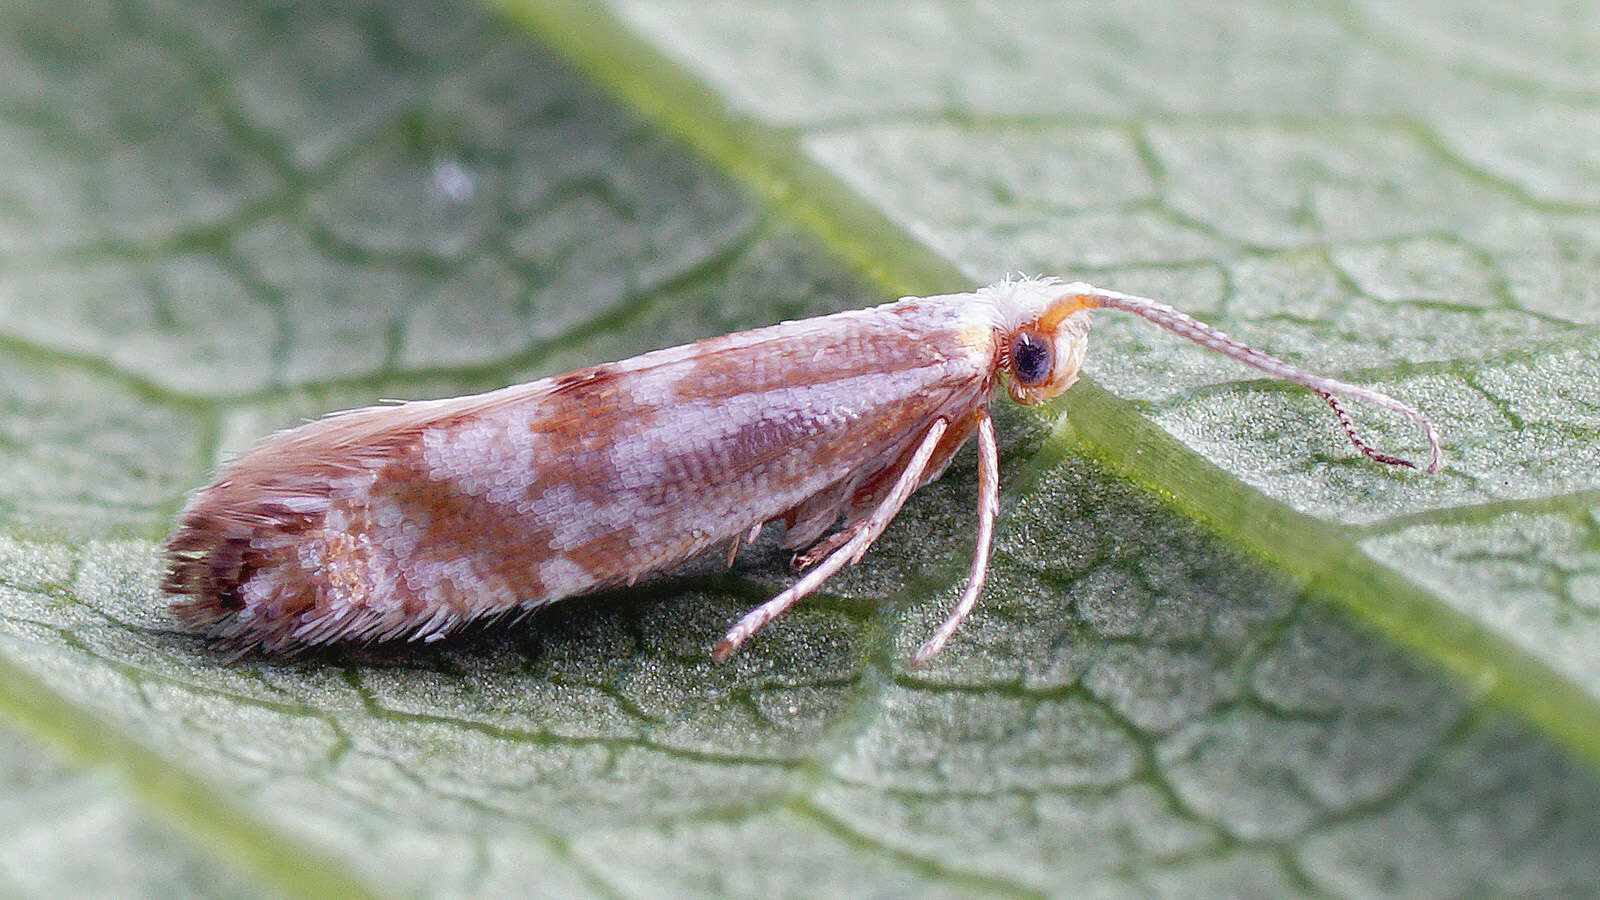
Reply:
x=408, y=520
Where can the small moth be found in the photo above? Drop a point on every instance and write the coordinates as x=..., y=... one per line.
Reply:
x=409, y=520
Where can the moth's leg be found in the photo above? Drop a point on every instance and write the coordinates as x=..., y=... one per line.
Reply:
x=955, y=435
x=737, y=541
x=988, y=508
x=826, y=546
x=861, y=537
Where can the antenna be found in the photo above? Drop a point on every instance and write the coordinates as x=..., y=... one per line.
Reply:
x=1326, y=388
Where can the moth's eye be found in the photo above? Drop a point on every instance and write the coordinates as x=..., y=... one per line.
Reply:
x=1030, y=358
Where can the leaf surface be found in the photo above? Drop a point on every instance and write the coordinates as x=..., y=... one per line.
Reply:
x=224, y=220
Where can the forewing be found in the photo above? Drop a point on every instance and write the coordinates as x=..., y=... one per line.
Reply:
x=413, y=518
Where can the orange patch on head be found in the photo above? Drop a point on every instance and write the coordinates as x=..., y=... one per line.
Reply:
x=1061, y=308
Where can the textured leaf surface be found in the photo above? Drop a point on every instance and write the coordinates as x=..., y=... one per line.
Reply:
x=222, y=220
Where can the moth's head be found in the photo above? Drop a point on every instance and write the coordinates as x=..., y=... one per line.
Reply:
x=1044, y=334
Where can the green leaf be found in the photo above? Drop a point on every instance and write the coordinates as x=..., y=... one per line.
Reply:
x=83, y=834
x=222, y=220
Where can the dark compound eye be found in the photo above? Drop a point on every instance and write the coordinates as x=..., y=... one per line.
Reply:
x=1030, y=358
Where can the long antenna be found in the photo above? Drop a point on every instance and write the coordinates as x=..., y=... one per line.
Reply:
x=1207, y=336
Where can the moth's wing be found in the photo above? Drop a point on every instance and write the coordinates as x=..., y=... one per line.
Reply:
x=409, y=519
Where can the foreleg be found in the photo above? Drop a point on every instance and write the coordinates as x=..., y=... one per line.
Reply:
x=861, y=537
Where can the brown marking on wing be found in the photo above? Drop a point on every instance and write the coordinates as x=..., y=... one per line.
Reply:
x=583, y=380
x=458, y=525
